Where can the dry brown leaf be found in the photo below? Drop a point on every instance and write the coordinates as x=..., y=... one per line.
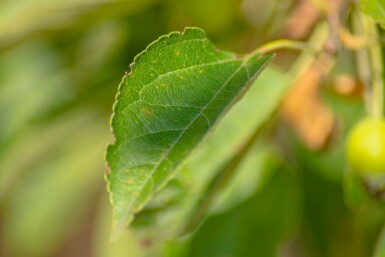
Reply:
x=346, y=85
x=305, y=112
x=303, y=108
x=301, y=20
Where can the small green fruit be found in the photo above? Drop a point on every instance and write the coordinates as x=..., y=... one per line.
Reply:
x=365, y=147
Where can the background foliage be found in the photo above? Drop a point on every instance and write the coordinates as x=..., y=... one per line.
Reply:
x=60, y=65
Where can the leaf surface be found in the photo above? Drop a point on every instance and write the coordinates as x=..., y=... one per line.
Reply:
x=176, y=202
x=177, y=90
x=380, y=245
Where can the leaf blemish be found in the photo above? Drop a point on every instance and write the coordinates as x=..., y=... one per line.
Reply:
x=148, y=111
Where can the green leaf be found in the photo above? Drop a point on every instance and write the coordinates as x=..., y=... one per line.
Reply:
x=178, y=203
x=258, y=226
x=380, y=247
x=374, y=8
x=177, y=90
x=354, y=193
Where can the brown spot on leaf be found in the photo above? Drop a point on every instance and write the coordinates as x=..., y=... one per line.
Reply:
x=148, y=111
x=107, y=168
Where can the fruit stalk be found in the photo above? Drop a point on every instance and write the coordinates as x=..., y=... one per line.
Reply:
x=370, y=65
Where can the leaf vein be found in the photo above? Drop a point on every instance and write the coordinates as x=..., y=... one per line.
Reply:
x=151, y=172
x=174, y=72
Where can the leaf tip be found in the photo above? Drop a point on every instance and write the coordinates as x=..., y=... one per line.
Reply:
x=115, y=234
x=119, y=226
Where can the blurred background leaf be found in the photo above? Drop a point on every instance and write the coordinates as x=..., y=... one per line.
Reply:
x=376, y=9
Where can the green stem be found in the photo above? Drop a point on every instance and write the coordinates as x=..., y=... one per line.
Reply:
x=362, y=56
x=380, y=245
x=306, y=59
x=282, y=44
x=370, y=65
x=375, y=53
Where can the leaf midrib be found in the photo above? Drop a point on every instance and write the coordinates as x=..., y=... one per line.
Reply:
x=132, y=209
x=174, y=72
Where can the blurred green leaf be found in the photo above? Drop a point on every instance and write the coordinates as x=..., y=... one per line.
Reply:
x=250, y=176
x=32, y=75
x=327, y=221
x=49, y=202
x=270, y=15
x=200, y=13
x=354, y=192
x=177, y=90
x=376, y=9
x=380, y=247
x=38, y=145
x=258, y=226
x=222, y=178
x=23, y=19
x=364, y=191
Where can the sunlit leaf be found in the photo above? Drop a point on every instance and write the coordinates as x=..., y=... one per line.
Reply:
x=380, y=248
x=376, y=9
x=175, y=93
